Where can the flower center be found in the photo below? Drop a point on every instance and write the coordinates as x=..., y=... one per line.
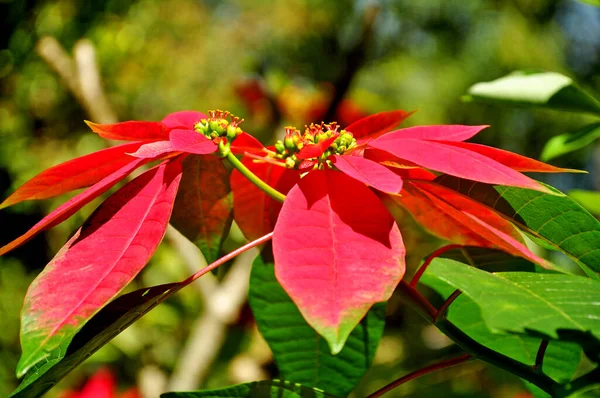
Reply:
x=217, y=125
x=312, y=149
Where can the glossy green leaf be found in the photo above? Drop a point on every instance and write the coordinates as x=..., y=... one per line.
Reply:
x=553, y=305
x=561, y=358
x=301, y=354
x=557, y=220
x=590, y=200
x=103, y=327
x=537, y=89
x=565, y=143
x=256, y=389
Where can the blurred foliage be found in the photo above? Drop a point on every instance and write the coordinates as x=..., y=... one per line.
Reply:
x=159, y=56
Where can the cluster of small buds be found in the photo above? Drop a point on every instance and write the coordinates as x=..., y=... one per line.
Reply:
x=217, y=125
x=340, y=141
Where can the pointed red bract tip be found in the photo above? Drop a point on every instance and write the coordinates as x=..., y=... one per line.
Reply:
x=131, y=131
x=375, y=125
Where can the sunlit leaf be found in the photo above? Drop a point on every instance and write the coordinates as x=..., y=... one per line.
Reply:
x=375, y=125
x=103, y=256
x=556, y=220
x=74, y=174
x=131, y=131
x=191, y=142
x=565, y=143
x=256, y=389
x=335, y=262
x=539, y=89
x=300, y=353
x=436, y=132
x=203, y=208
x=590, y=200
x=182, y=119
x=369, y=172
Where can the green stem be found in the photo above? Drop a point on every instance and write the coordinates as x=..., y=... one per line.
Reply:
x=475, y=349
x=263, y=186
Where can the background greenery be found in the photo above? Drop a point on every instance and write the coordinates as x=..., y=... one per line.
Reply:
x=275, y=63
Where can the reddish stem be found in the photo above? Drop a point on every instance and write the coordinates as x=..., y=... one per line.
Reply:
x=444, y=307
x=428, y=260
x=421, y=372
x=539, y=358
x=228, y=257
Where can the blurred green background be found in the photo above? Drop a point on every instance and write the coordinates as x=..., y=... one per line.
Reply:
x=274, y=63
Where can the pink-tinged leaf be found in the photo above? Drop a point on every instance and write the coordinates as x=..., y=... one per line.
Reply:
x=335, y=262
x=245, y=143
x=406, y=170
x=253, y=210
x=131, y=131
x=439, y=215
x=316, y=150
x=153, y=150
x=74, y=174
x=375, y=125
x=70, y=207
x=456, y=161
x=436, y=133
x=512, y=160
x=369, y=172
x=103, y=256
x=191, y=142
x=203, y=208
x=183, y=120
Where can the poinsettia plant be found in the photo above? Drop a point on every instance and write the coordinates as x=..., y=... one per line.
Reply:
x=321, y=203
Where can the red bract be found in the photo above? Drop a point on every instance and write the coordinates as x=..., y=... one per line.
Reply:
x=337, y=249
x=119, y=238
x=102, y=384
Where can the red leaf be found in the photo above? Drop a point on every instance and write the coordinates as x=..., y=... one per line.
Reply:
x=369, y=172
x=512, y=160
x=101, y=385
x=406, y=170
x=245, y=143
x=103, y=256
x=153, y=150
x=436, y=133
x=183, y=119
x=439, y=214
x=335, y=262
x=203, y=208
x=316, y=150
x=254, y=211
x=74, y=174
x=131, y=131
x=70, y=207
x=375, y=125
x=191, y=142
x=456, y=161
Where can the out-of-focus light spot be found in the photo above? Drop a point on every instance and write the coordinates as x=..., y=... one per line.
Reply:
x=6, y=62
x=130, y=38
x=50, y=21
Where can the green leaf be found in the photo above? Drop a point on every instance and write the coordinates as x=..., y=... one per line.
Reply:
x=565, y=143
x=256, y=389
x=301, y=354
x=558, y=220
x=99, y=330
x=203, y=209
x=592, y=2
x=537, y=89
x=561, y=358
x=588, y=199
x=555, y=306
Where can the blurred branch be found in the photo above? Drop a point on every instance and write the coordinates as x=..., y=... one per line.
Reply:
x=82, y=77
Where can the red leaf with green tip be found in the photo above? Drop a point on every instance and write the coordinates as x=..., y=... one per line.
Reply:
x=253, y=210
x=316, y=150
x=191, y=142
x=183, y=119
x=455, y=161
x=436, y=133
x=70, y=207
x=375, y=125
x=74, y=174
x=131, y=131
x=438, y=209
x=203, y=208
x=103, y=256
x=369, y=172
x=335, y=262
x=246, y=143
x=512, y=160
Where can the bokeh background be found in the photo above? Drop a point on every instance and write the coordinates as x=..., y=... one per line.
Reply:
x=274, y=63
